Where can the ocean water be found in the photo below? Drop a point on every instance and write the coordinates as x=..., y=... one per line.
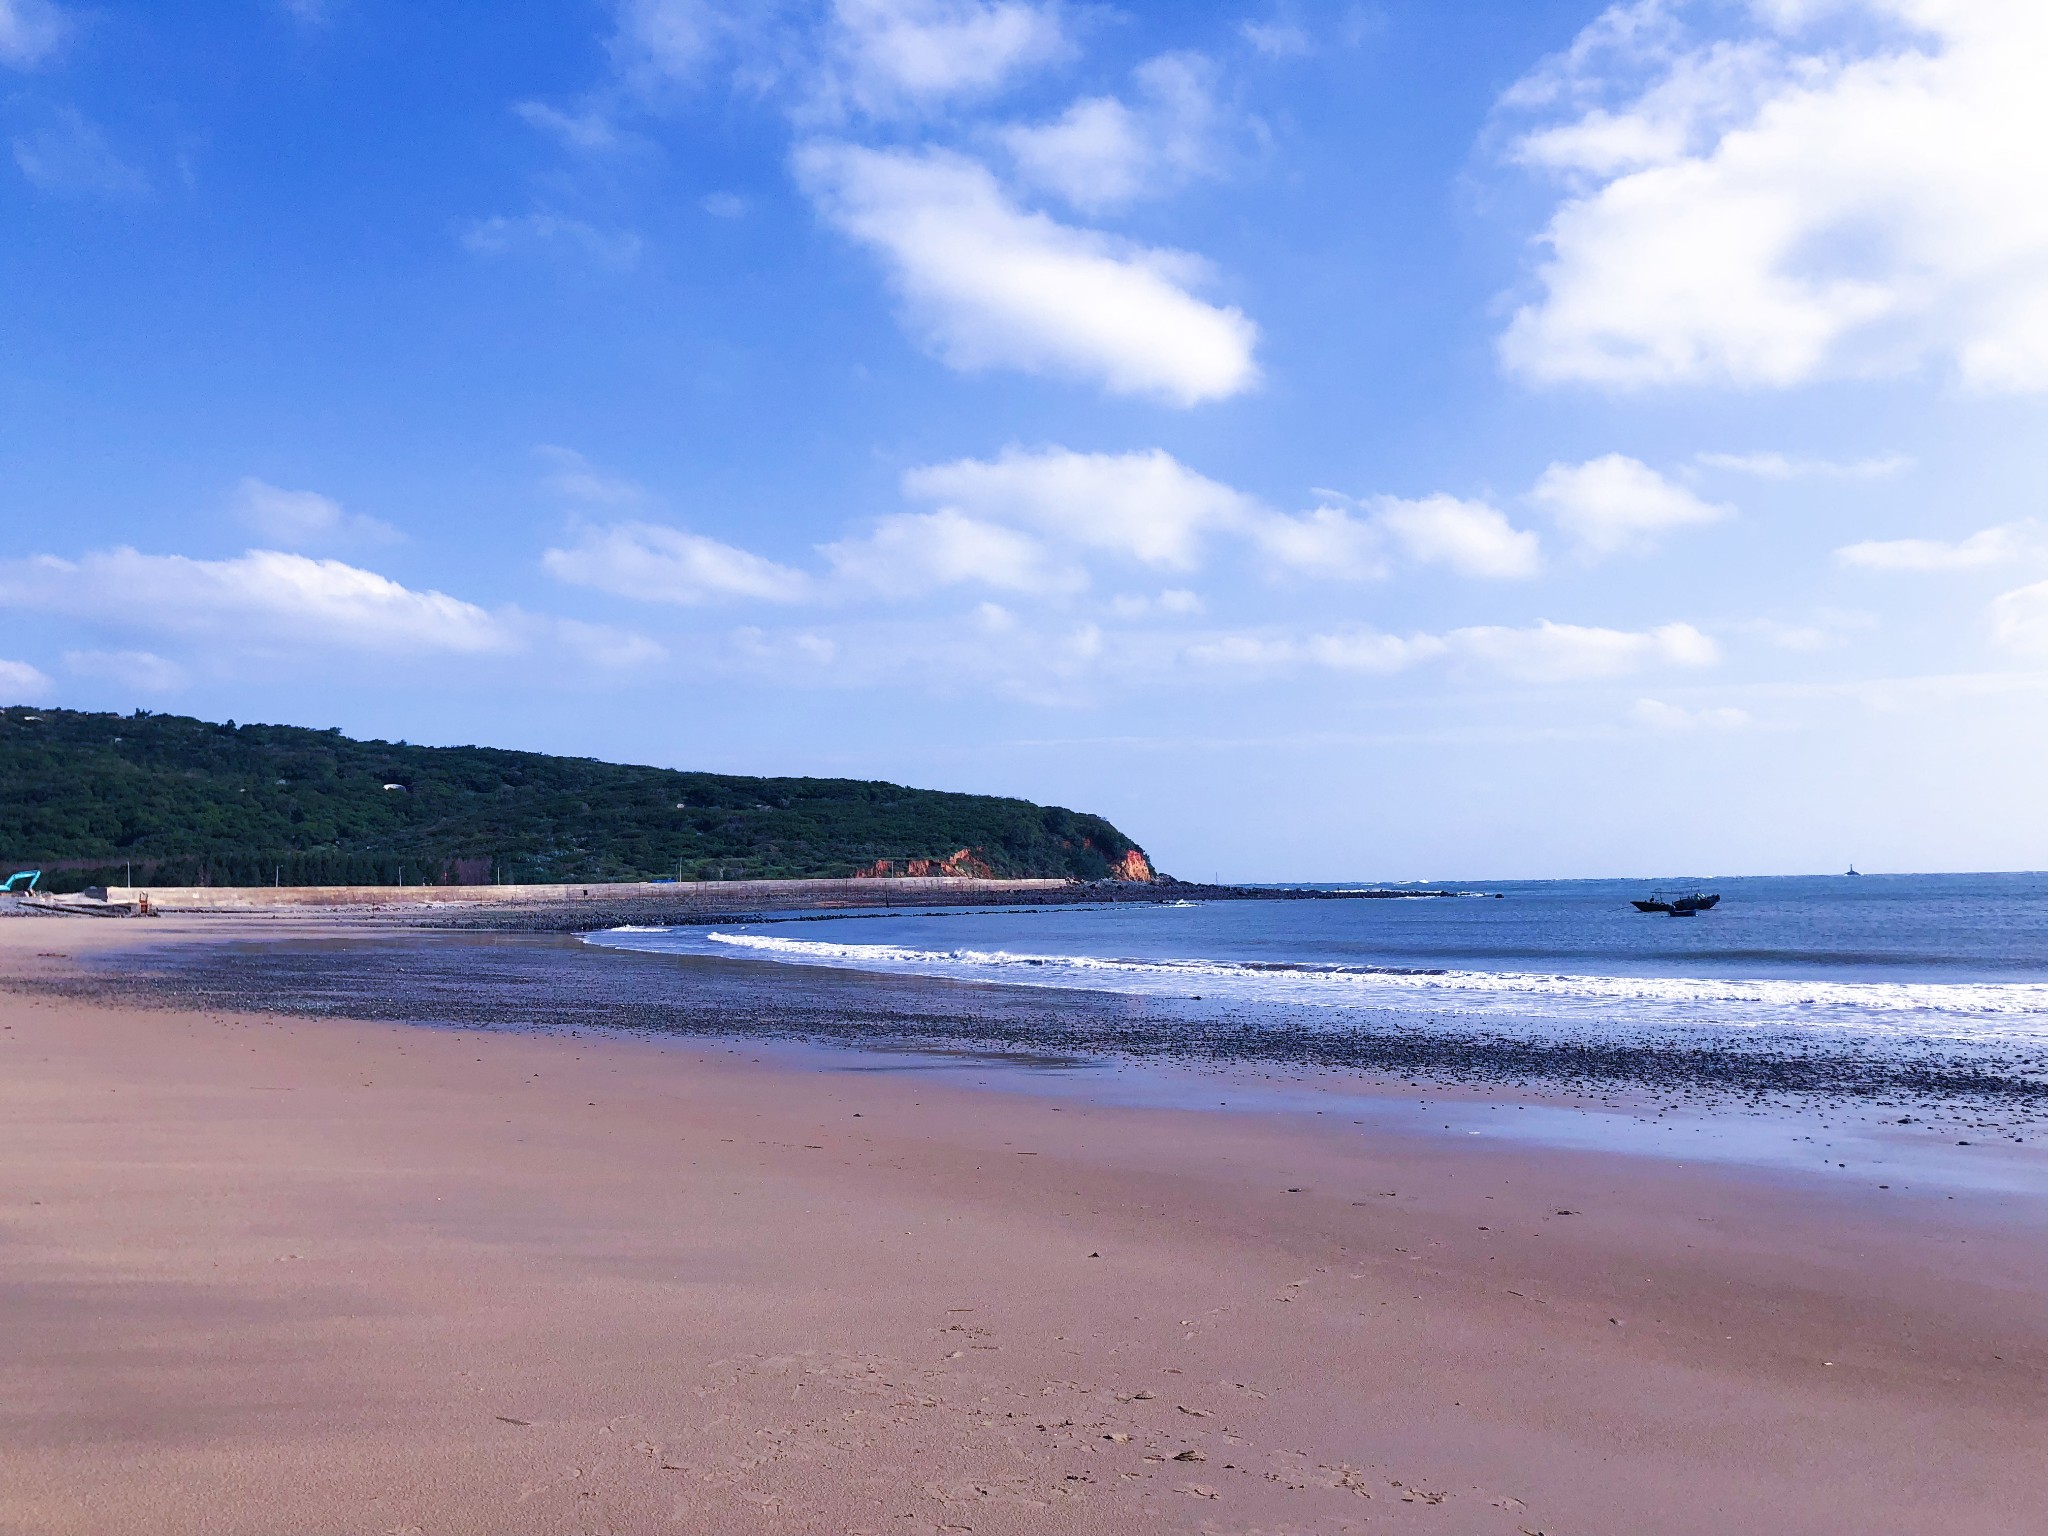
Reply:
x=1955, y=961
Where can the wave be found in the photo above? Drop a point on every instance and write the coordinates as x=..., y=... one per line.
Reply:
x=1356, y=984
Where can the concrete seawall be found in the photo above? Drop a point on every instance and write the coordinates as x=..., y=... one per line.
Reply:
x=693, y=893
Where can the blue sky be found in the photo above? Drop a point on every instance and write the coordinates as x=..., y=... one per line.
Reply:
x=1333, y=440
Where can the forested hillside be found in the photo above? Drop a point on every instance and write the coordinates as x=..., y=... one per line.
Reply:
x=185, y=802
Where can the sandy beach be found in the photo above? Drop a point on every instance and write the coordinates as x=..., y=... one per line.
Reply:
x=266, y=1274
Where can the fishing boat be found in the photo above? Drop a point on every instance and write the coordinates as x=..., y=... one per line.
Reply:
x=1680, y=906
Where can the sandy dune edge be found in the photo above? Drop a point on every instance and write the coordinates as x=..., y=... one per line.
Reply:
x=274, y=1275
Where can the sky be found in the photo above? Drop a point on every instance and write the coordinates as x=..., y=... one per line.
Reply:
x=1334, y=440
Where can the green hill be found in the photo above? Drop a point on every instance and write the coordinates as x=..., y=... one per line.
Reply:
x=186, y=802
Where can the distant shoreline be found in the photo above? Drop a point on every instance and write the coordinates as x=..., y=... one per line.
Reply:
x=582, y=905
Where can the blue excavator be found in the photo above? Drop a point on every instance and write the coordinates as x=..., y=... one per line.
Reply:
x=14, y=881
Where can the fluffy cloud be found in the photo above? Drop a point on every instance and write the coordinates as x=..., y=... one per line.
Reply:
x=1034, y=521
x=1470, y=537
x=295, y=519
x=1991, y=547
x=2019, y=621
x=654, y=564
x=1842, y=188
x=891, y=55
x=21, y=683
x=910, y=554
x=1558, y=653
x=1101, y=153
x=672, y=38
x=1154, y=510
x=264, y=597
x=1617, y=503
x=991, y=285
x=30, y=31
x=831, y=59
x=1146, y=506
x=1327, y=542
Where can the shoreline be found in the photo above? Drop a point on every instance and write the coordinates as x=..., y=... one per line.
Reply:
x=553, y=981
x=272, y=1272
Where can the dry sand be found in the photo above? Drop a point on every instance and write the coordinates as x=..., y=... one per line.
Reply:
x=274, y=1275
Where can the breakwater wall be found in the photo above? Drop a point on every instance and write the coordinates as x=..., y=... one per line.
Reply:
x=723, y=894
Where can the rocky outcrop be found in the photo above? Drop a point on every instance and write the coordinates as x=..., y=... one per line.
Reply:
x=1135, y=866
x=966, y=864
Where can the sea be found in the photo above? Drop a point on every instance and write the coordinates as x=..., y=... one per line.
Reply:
x=1957, y=959
x=1833, y=1012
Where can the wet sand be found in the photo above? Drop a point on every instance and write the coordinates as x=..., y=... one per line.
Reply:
x=265, y=1274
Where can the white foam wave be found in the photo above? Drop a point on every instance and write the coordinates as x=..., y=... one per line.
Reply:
x=1356, y=984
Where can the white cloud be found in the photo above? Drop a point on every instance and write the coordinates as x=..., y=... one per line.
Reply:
x=602, y=645
x=310, y=13
x=1543, y=653
x=30, y=31
x=1470, y=537
x=263, y=596
x=1152, y=508
x=1147, y=506
x=590, y=130
x=1849, y=188
x=1363, y=650
x=1803, y=637
x=296, y=519
x=1101, y=153
x=990, y=285
x=269, y=602
x=1617, y=503
x=1990, y=547
x=892, y=55
x=21, y=683
x=142, y=671
x=70, y=156
x=2019, y=621
x=831, y=59
x=1327, y=542
x=723, y=205
x=1780, y=466
x=653, y=564
x=1276, y=39
x=575, y=478
x=673, y=38
x=504, y=235
x=1659, y=716
x=1175, y=602
x=910, y=554
x=1557, y=653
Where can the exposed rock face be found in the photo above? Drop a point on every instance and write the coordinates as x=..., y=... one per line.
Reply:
x=967, y=863
x=1135, y=866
